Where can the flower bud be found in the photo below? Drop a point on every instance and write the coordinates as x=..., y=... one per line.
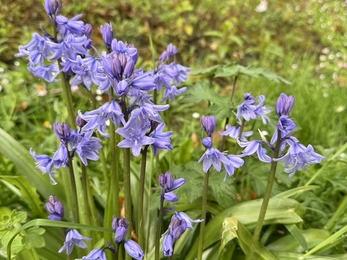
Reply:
x=62, y=131
x=284, y=104
x=207, y=142
x=208, y=123
x=133, y=249
x=107, y=35
x=52, y=7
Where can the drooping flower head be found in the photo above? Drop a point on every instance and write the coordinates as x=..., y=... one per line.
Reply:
x=168, y=185
x=120, y=226
x=133, y=249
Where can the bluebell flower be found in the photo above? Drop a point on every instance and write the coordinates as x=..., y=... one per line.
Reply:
x=214, y=157
x=187, y=219
x=172, y=92
x=167, y=246
x=207, y=142
x=62, y=131
x=252, y=147
x=233, y=132
x=284, y=105
x=129, y=50
x=107, y=35
x=286, y=126
x=170, y=197
x=37, y=49
x=235, y=162
x=161, y=79
x=54, y=208
x=48, y=73
x=95, y=254
x=133, y=249
x=248, y=110
x=73, y=238
x=168, y=185
x=60, y=157
x=298, y=157
x=87, y=146
x=161, y=139
x=82, y=72
x=70, y=47
x=73, y=25
x=208, y=123
x=45, y=164
x=170, y=51
x=97, y=118
x=177, y=73
x=262, y=111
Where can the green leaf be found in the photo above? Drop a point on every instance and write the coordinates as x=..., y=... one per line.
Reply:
x=279, y=211
x=287, y=244
x=228, y=71
x=296, y=256
x=27, y=192
x=194, y=176
x=221, y=109
x=297, y=234
x=201, y=91
x=206, y=71
x=291, y=192
x=233, y=229
x=34, y=238
x=224, y=192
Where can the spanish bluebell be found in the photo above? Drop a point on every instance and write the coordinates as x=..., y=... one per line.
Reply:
x=73, y=237
x=234, y=162
x=208, y=123
x=284, y=105
x=107, y=35
x=234, y=131
x=172, y=92
x=161, y=139
x=214, y=157
x=133, y=249
x=45, y=164
x=95, y=254
x=255, y=146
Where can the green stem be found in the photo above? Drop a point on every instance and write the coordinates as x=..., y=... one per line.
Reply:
x=114, y=169
x=266, y=198
x=203, y=216
x=141, y=196
x=74, y=191
x=85, y=195
x=227, y=119
x=158, y=235
x=127, y=190
x=68, y=100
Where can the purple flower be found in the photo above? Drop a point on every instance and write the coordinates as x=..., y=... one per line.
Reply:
x=171, y=92
x=207, y=142
x=161, y=139
x=48, y=73
x=213, y=157
x=133, y=249
x=95, y=254
x=168, y=184
x=82, y=72
x=177, y=73
x=248, y=110
x=62, y=131
x=235, y=162
x=73, y=25
x=45, y=164
x=96, y=119
x=120, y=226
x=69, y=48
x=252, y=147
x=86, y=147
x=208, y=123
x=170, y=51
x=298, y=157
x=60, y=157
x=73, y=238
x=167, y=246
x=286, y=126
x=54, y=208
x=134, y=133
x=187, y=219
x=233, y=132
x=52, y=8
x=284, y=104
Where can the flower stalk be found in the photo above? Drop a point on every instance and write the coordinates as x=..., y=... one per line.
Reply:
x=203, y=216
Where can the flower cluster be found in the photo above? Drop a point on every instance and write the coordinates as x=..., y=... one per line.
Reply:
x=297, y=156
x=71, y=142
x=213, y=156
x=180, y=221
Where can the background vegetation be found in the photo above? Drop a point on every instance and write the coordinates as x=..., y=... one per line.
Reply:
x=304, y=42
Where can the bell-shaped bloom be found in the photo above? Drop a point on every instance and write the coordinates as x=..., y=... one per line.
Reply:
x=70, y=47
x=133, y=249
x=48, y=73
x=234, y=131
x=172, y=92
x=286, y=126
x=284, y=105
x=45, y=164
x=170, y=197
x=73, y=25
x=87, y=147
x=248, y=110
x=168, y=185
x=214, y=157
x=208, y=123
x=207, y=142
x=60, y=157
x=73, y=238
x=161, y=139
x=187, y=219
x=167, y=246
x=82, y=72
x=95, y=254
x=252, y=147
x=97, y=118
x=54, y=208
x=62, y=131
x=52, y=8
x=120, y=226
x=235, y=162
x=177, y=73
